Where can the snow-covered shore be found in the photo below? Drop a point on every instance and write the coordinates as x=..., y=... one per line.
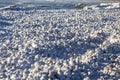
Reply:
x=60, y=44
x=103, y=6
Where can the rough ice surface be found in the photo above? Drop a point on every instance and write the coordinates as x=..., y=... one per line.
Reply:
x=60, y=44
x=103, y=6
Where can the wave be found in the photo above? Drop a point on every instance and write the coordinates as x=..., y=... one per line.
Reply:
x=49, y=6
x=30, y=5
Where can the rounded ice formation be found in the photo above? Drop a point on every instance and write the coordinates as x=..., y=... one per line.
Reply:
x=60, y=44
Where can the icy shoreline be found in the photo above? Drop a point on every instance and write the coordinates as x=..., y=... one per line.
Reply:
x=54, y=6
x=60, y=44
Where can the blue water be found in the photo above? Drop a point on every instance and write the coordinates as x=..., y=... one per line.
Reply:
x=33, y=5
x=4, y=4
x=36, y=5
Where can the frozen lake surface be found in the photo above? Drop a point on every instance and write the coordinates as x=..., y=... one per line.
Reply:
x=63, y=44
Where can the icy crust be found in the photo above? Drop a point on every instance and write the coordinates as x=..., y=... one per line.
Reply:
x=60, y=45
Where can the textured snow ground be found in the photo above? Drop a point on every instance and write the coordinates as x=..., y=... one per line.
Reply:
x=60, y=44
